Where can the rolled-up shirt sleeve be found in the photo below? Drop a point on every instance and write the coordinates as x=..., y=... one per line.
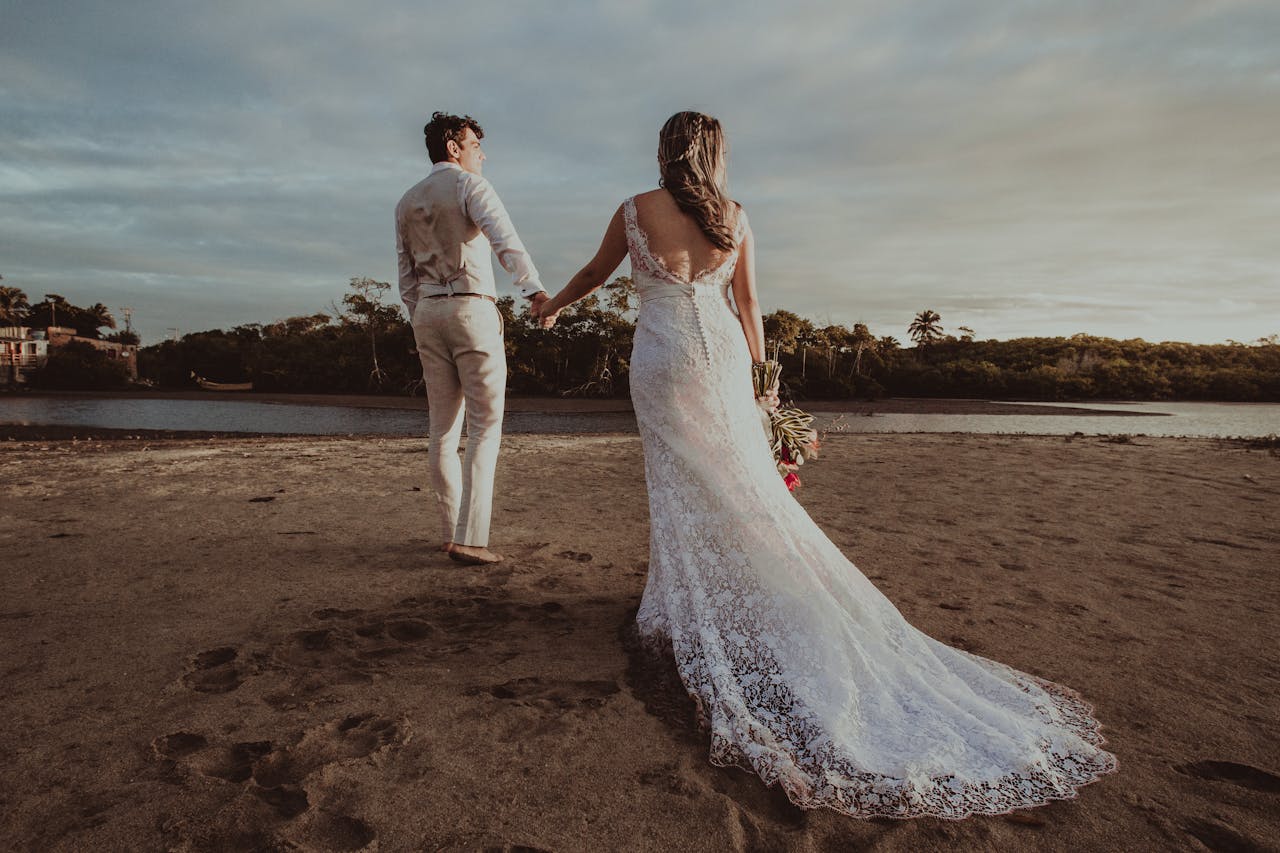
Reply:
x=404, y=258
x=480, y=202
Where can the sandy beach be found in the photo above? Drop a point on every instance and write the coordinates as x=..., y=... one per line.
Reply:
x=251, y=644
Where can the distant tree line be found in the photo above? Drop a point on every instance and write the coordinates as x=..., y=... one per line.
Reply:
x=364, y=345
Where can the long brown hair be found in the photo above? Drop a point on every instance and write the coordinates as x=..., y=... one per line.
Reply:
x=691, y=160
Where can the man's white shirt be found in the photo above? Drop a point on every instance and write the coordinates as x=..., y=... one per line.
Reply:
x=480, y=203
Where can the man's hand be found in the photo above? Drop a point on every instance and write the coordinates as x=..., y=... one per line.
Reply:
x=537, y=310
x=535, y=303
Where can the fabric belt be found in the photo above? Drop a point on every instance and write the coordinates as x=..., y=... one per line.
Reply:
x=451, y=295
x=448, y=282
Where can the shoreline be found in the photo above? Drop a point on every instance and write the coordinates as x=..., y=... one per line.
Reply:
x=12, y=434
x=582, y=405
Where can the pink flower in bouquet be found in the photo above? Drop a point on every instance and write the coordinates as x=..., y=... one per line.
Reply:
x=788, y=430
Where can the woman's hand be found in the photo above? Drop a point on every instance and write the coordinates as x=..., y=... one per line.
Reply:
x=611, y=252
x=769, y=402
x=546, y=312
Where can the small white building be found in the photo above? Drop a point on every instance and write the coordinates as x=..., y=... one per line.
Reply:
x=21, y=351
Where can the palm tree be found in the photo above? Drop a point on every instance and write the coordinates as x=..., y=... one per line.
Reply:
x=100, y=315
x=54, y=300
x=925, y=328
x=13, y=305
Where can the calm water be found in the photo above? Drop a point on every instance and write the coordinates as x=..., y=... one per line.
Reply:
x=1209, y=420
x=1166, y=419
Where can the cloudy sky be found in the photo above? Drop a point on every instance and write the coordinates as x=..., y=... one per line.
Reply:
x=1023, y=168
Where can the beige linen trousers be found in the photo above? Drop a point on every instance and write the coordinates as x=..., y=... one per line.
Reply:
x=464, y=367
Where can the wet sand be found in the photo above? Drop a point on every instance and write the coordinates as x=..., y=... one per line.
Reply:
x=250, y=643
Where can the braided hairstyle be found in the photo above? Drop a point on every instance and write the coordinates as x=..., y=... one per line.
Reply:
x=691, y=160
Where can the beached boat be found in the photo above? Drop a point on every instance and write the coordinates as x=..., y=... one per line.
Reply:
x=221, y=386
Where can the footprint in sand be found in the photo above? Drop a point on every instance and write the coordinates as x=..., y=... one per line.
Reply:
x=228, y=762
x=276, y=775
x=280, y=770
x=289, y=801
x=234, y=763
x=352, y=737
x=552, y=693
x=352, y=645
x=672, y=779
x=322, y=829
x=216, y=671
x=1219, y=836
x=576, y=556
x=328, y=649
x=410, y=630
x=179, y=745
x=1244, y=775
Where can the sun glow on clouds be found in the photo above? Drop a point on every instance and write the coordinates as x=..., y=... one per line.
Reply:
x=1048, y=170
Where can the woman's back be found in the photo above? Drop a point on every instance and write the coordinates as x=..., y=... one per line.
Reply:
x=674, y=240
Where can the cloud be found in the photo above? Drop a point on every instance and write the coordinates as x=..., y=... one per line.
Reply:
x=1034, y=169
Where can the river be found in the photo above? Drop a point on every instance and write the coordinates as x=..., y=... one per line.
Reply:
x=1165, y=419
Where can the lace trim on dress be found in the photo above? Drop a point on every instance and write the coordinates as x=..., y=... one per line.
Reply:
x=644, y=260
x=813, y=773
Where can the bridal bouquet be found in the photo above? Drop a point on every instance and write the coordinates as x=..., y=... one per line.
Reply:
x=791, y=436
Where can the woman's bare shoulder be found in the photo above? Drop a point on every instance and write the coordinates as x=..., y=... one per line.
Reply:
x=651, y=199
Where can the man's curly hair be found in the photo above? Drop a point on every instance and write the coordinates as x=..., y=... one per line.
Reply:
x=445, y=128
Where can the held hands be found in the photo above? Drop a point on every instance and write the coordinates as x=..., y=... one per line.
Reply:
x=538, y=311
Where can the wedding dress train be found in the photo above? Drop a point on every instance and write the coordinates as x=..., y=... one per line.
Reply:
x=800, y=668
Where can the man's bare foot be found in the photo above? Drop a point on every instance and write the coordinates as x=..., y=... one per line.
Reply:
x=474, y=555
x=447, y=547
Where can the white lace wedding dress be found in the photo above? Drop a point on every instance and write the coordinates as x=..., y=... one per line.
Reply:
x=800, y=668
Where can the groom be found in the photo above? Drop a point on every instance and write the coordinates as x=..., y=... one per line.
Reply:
x=445, y=227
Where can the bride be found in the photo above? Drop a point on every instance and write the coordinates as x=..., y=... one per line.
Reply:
x=799, y=667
